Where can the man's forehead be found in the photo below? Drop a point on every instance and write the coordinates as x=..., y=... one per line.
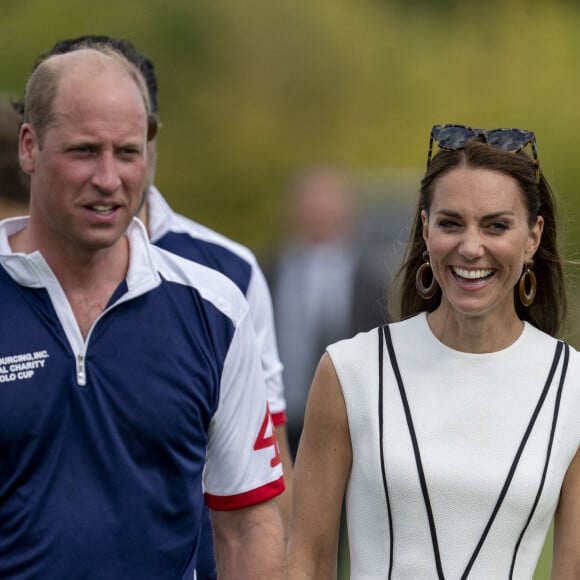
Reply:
x=84, y=70
x=97, y=115
x=100, y=95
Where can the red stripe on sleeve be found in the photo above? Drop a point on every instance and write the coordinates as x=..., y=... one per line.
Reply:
x=242, y=500
x=279, y=418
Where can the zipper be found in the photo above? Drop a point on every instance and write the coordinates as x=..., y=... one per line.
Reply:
x=81, y=375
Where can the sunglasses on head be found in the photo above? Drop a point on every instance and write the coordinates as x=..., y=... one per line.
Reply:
x=452, y=137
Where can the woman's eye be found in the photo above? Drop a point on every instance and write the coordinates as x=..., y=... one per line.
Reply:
x=498, y=226
x=447, y=224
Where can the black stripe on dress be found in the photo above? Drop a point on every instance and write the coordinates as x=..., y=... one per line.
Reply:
x=548, y=454
x=383, y=471
x=517, y=457
x=418, y=461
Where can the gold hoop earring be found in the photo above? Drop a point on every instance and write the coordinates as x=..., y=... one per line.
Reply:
x=528, y=278
x=425, y=291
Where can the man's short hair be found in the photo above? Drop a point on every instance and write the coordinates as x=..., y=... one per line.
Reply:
x=121, y=45
x=37, y=107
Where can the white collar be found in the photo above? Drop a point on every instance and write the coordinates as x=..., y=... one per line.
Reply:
x=32, y=270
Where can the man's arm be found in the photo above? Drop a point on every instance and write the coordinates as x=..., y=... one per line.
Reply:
x=249, y=542
x=285, y=499
x=262, y=315
x=243, y=471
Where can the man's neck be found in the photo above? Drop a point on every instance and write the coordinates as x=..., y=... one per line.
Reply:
x=143, y=215
x=87, y=278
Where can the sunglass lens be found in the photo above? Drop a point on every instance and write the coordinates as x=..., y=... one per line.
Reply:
x=454, y=136
x=511, y=140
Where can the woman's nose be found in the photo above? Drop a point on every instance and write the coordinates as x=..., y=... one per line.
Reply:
x=471, y=244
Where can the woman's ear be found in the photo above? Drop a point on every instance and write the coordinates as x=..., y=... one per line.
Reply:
x=535, y=237
x=425, y=221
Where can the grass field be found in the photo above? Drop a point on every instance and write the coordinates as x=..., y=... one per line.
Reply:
x=543, y=569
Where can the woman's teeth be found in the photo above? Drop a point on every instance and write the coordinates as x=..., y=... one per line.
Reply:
x=472, y=274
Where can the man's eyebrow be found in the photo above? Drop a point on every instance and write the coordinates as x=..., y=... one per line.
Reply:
x=82, y=144
x=137, y=145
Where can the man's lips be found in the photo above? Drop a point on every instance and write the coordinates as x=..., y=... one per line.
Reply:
x=102, y=209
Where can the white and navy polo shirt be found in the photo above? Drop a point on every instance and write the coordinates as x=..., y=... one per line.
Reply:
x=106, y=443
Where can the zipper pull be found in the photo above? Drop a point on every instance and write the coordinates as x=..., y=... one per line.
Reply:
x=81, y=378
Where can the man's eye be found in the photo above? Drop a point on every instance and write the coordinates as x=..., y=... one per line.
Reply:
x=129, y=152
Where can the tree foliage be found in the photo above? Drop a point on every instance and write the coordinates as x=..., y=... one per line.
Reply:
x=250, y=90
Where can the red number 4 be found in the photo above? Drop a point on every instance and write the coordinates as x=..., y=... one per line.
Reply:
x=263, y=441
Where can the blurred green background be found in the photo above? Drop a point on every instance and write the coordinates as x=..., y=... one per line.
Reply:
x=251, y=90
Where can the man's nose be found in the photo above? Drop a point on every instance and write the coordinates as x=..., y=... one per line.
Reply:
x=106, y=175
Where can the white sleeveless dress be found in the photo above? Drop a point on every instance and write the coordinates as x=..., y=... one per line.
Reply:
x=465, y=479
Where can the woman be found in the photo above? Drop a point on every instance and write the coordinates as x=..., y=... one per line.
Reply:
x=452, y=434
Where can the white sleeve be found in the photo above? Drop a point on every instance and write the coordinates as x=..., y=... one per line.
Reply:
x=243, y=464
x=262, y=314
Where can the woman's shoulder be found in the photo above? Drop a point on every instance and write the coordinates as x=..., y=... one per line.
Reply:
x=574, y=354
x=358, y=343
x=366, y=343
x=539, y=337
x=540, y=344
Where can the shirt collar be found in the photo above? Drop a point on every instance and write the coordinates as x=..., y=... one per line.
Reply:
x=32, y=270
x=159, y=214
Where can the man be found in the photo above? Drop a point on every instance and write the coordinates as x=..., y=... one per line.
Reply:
x=129, y=375
x=196, y=242
x=13, y=186
x=326, y=282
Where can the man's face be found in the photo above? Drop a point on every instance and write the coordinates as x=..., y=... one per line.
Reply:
x=88, y=174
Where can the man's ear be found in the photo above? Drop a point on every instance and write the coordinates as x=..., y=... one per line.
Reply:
x=27, y=148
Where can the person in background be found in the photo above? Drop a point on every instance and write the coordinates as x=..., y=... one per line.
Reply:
x=324, y=285
x=13, y=182
x=132, y=386
x=193, y=241
x=453, y=433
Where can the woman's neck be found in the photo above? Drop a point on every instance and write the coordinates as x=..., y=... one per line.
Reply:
x=476, y=334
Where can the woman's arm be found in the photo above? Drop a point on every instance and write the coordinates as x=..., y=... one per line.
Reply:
x=285, y=499
x=566, y=558
x=321, y=472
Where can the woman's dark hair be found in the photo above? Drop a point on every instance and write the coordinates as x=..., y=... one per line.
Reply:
x=549, y=307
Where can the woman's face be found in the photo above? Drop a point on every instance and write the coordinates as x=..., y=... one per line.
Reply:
x=479, y=238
